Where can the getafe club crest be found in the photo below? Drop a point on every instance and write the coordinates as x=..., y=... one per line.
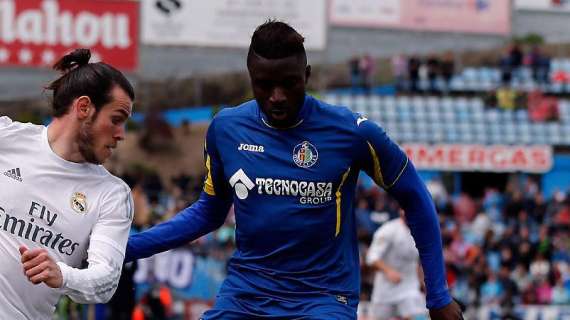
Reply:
x=305, y=154
x=79, y=202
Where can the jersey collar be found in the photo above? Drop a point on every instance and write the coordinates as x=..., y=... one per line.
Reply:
x=303, y=114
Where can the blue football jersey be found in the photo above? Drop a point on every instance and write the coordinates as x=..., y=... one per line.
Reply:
x=293, y=190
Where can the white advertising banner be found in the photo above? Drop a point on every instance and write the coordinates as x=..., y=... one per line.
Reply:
x=471, y=157
x=228, y=23
x=548, y=5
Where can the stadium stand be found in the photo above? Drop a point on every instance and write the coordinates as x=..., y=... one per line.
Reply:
x=437, y=119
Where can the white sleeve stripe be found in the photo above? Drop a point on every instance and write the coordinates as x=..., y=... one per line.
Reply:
x=110, y=282
x=128, y=203
x=95, y=284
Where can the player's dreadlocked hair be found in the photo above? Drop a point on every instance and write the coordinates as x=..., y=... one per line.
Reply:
x=81, y=78
x=276, y=40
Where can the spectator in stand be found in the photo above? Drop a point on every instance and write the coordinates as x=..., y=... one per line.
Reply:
x=433, y=70
x=509, y=286
x=464, y=209
x=540, y=267
x=481, y=224
x=544, y=242
x=414, y=73
x=492, y=290
x=366, y=65
x=562, y=218
x=447, y=69
x=506, y=69
x=506, y=98
x=534, y=61
x=521, y=277
x=526, y=251
x=355, y=73
x=399, y=68
x=507, y=257
x=538, y=209
x=516, y=60
x=560, y=294
x=544, y=292
x=541, y=107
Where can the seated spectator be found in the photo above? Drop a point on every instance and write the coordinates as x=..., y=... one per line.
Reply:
x=510, y=287
x=492, y=290
x=355, y=73
x=414, y=73
x=540, y=267
x=521, y=277
x=562, y=217
x=544, y=292
x=433, y=69
x=480, y=225
x=399, y=68
x=560, y=294
x=541, y=107
x=447, y=69
x=367, y=65
x=506, y=98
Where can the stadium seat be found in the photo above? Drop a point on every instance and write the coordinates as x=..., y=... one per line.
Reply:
x=521, y=116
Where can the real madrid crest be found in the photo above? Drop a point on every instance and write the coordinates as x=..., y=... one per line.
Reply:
x=79, y=202
x=305, y=154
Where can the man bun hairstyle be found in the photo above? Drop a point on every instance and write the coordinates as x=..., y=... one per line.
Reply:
x=276, y=40
x=81, y=78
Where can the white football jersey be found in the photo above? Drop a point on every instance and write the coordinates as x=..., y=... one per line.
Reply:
x=48, y=202
x=394, y=245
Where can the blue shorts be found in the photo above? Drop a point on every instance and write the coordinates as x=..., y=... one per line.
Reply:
x=238, y=308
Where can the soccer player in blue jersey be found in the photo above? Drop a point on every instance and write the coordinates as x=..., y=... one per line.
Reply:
x=289, y=164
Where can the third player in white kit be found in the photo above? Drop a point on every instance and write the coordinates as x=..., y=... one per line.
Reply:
x=393, y=255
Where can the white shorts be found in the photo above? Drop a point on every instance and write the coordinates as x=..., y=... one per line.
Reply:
x=408, y=307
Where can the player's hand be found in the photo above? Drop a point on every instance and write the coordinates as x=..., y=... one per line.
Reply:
x=40, y=267
x=451, y=311
x=393, y=276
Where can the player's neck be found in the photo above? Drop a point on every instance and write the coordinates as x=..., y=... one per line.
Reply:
x=62, y=139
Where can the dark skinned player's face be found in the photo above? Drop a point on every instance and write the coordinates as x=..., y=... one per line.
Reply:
x=279, y=87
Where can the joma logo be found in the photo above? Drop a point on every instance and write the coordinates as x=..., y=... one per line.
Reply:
x=250, y=147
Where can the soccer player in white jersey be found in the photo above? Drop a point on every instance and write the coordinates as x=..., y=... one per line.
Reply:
x=58, y=206
x=393, y=254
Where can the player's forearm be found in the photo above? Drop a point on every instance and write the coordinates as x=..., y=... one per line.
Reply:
x=204, y=216
x=380, y=265
x=96, y=283
x=422, y=219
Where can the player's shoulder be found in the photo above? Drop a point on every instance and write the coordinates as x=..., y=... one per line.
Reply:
x=5, y=121
x=10, y=128
x=110, y=183
x=332, y=110
x=338, y=114
x=245, y=109
x=230, y=119
x=388, y=227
